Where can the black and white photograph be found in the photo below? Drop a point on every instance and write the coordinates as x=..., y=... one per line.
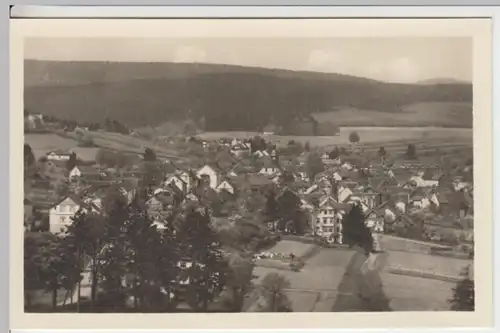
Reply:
x=236, y=175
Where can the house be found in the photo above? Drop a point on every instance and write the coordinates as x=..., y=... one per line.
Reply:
x=427, y=179
x=367, y=199
x=419, y=199
x=175, y=180
x=225, y=185
x=345, y=189
x=188, y=177
x=327, y=220
x=84, y=171
x=337, y=176
x=375, y=221
x=211, y=174
x=160, y=202
x=270, y=168
x=62, y=212
x=239, y=150
x=347, y=166
x=58, y=155
x=261, y=153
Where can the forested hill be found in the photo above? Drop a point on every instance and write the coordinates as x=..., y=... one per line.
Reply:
x=229, y=97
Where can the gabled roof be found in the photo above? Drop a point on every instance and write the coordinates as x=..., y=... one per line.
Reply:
x=327, y=200
x=59, y=152
x=214, y=166
x=88, y=170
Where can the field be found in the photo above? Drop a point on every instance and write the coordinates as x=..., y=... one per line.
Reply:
x=416, y=294
x=437, y=264
x=392, y=138
x=314, y=287
x=447, y=114
x=43, y=143
x=287, y=246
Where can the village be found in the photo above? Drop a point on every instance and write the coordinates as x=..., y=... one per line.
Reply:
x=266, y=193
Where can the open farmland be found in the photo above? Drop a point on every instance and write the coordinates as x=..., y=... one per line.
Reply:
x=428, y=263
x=41, y=144
x=314, y=288
x=446, y=114
x=391, y=137
x=407, y=293
x=287, y=246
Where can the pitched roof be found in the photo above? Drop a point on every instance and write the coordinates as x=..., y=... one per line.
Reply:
x=88, y=170
x=59, y=152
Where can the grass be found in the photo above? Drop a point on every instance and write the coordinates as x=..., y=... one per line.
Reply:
x=392, y=136
x=446, y=114
x=41, y=144
x=314, y=287
x=287, y=246
x=408, y=293
x=438, y=264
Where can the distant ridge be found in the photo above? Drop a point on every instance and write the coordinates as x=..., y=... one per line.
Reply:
x=443, y=81
x=228, y=97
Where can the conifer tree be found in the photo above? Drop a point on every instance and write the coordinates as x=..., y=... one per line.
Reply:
x=355, y=231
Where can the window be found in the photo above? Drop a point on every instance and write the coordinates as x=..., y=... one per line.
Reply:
x=62, y=219
x=324, y=220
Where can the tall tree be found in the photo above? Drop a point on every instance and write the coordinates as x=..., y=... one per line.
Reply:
x=201, y=247
x=149, y=155
x=411, y=152
x=72, y=162
x=355, y=231
x=88, y=233
x=463, y=294
x=307, y=146
x=239, y=280
x=314, y=165
x=29, y=157
x=271, y=209
x=354, y=137
x=272, y=289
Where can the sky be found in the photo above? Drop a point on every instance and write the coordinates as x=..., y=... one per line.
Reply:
x=402, y=59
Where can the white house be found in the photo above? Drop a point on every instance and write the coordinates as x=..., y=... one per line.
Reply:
x=80, y=171
x=422, y=181
x=343, y=193
x=400, y=206
x=61, y=213
x=375, y=222
x=420, y=202
x=176, y=181
x=269, y=168
x=211, y=174
x=347, y=166
x=327, y=220
x=336, y=176
x=261, y=153
x=58, y=155
x=239, y=150
x=225, y=185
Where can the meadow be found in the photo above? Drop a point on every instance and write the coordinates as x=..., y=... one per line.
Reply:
x=393, y=138
x=314, y=288
x=408, y=293
x=428, y=263
x=446, y=114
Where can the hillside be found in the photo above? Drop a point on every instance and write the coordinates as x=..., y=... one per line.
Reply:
x=229, y=97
